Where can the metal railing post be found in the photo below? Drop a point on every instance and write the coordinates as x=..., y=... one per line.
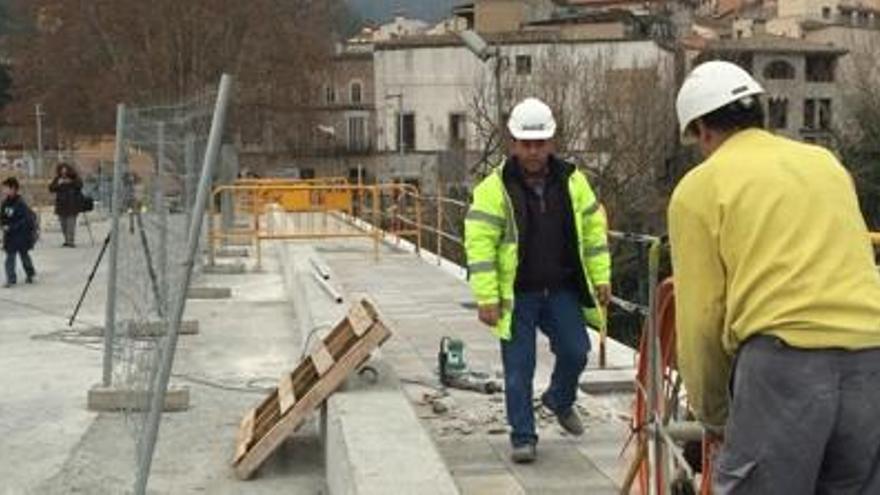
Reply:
x=115, y=210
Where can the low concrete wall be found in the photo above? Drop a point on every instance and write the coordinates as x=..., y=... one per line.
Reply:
x=374, y=443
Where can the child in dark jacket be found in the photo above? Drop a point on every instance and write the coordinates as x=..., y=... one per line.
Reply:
x=17, y=231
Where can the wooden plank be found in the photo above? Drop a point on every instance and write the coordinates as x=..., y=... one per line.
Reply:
x=322, y=360
x=245, y=434
x=286, y=396
x=360, y=319
x=247, y=465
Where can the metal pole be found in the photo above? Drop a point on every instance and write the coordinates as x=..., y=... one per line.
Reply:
x=163, y=216
x=115, y=211
x=499, y=98
x=39, y=111
x=400, y=124
x=158, y=398
x=189, y=159
x=655, y=454
x=439, y=222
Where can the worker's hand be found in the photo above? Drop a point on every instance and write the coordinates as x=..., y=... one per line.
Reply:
x=490, y=314
x=603, y=294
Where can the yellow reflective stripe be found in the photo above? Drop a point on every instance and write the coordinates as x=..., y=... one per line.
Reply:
x=592, y=209
x=596, y=251
x=481, y=216
x=481, y=267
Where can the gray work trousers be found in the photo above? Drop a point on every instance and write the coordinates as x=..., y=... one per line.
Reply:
x=68, y=228
x=801, y=422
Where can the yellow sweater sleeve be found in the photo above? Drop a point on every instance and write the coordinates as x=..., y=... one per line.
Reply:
x=699, y=303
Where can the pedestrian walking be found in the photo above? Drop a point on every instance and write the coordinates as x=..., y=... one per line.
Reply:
x=67, y=187
x=19, y=232
x=537, y=251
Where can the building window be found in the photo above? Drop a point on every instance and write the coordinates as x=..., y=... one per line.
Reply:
x=356, y=93
x=826, y=12
x=329, y=94
x=810, y=114
x=408, y=137
x=357, y=134
x=779, y=69
x=523, y=65
x=457, y=131
x=820, y=69
x=818, y=114
x=307, y=173
x=825, y=114
x=777, y=110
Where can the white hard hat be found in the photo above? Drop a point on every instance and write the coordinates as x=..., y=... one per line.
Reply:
x=532, y=120
x=711, y=86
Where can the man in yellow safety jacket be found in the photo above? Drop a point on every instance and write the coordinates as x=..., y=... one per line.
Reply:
x=777, y=300
x=537, y=251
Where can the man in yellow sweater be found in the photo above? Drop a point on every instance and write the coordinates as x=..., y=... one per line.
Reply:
x=777, y=300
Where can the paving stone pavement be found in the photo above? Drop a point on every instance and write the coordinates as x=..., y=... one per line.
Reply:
x=425, y=303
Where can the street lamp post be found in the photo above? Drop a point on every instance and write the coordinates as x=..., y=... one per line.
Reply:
x=39, y=113
x=481, y=48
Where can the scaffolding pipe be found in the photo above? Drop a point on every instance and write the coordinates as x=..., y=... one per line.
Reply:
x=329, y=289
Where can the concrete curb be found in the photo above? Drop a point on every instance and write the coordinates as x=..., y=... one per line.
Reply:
x=361, y=419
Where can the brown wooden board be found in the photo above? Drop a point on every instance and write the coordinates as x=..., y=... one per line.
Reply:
x=286, y=396
x=322, y=360
x=303, y=390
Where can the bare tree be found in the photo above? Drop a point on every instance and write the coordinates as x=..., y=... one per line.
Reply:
x=614, y=119
x=80, y=57
x=858, y=134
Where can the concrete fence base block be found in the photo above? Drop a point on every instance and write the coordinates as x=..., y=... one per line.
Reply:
x=232, y=252
x=209, y=293
x=238, y=242
x=110, y=399
x=146, y=329
x=230, y=269
x=609, y=381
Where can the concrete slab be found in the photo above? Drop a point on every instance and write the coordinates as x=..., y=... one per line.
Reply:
x=110, y=399
x=209, y=293
x=225, y=269
x=52, y=443
x=360, y=424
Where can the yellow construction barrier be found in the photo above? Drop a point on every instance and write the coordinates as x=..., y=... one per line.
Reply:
x=308, y=211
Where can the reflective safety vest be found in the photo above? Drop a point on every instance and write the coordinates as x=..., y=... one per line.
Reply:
x=491, y=243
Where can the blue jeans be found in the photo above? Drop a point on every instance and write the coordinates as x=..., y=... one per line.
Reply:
x=558, y=314
x=25, y=261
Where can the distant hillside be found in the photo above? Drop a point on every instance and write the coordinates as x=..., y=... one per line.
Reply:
x=383, y=10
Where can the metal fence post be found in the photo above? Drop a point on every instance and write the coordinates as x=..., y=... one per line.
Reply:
x=162, y=211
x=116, y=209
x=157, y=400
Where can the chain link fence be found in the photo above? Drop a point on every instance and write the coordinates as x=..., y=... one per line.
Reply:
x=155, y=235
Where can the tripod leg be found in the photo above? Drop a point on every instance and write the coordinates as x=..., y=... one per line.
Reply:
x=150, y=270
x=89, y=227
x=89, y=281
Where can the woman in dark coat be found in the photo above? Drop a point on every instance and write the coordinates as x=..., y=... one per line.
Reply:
x=18, y=232
x=67, y=187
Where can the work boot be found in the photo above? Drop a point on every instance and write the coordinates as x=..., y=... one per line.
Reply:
x=29, y=280
x=569, y=420
x=524, y=454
